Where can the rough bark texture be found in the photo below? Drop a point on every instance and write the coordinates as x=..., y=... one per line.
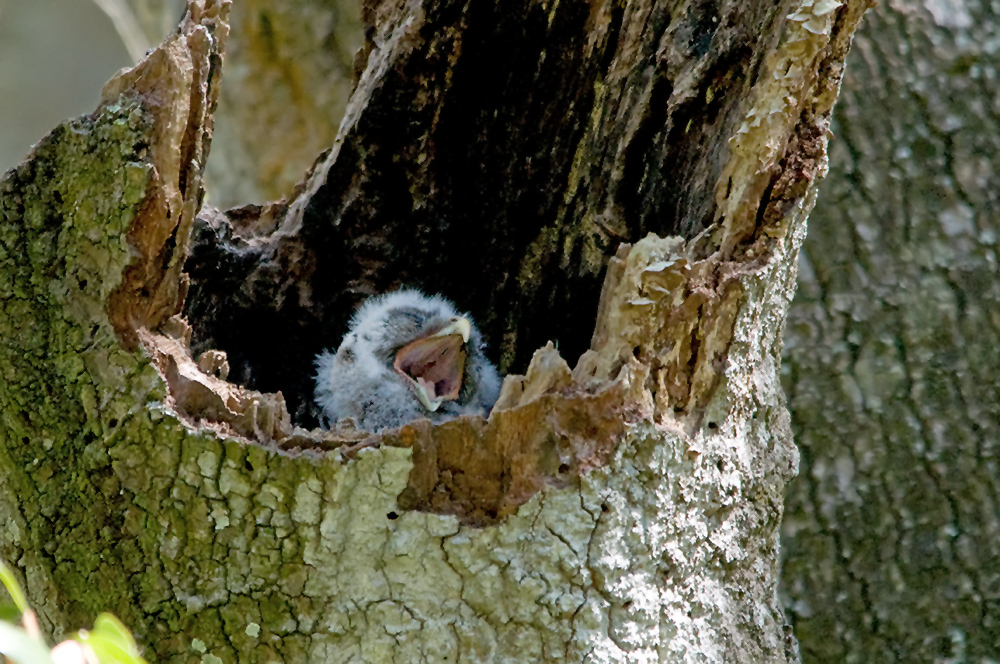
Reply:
x=497, y=153
x=94, y=230
x=289, y=73
x=624, y=510
x=892, y=536
x=290, y=68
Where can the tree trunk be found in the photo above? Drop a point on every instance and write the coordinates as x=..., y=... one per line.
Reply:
x=289, y=72
x=891, y=540
x=625, y=510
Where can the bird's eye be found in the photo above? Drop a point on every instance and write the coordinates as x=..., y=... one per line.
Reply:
x=346, y=355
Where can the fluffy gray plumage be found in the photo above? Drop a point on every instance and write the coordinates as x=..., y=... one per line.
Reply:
x=400, y=362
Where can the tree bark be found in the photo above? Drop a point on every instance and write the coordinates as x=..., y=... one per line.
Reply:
x=289, y=73
x=624, y=510
x=891, y=544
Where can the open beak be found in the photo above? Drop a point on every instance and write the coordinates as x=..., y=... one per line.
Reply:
x=435, y=364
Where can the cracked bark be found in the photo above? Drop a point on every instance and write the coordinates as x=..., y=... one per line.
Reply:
x=625, y=509
x=891, y=364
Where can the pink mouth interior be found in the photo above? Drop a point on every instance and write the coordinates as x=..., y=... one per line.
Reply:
x=436, y=364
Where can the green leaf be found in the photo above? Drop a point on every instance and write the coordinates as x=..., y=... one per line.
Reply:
x=13, y=587
x=20, y=648
x=111, y=641
x=9, y=611
x=107, y=624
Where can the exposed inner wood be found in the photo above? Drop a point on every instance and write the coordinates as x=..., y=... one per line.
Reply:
x=497, y=154
x=514, y=165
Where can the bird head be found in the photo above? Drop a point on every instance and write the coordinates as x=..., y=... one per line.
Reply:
x=435, y=364
x=424, y=341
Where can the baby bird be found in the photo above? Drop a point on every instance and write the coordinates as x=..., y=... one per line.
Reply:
x=406, y=356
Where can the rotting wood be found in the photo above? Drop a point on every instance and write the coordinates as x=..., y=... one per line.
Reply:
x=496, y=153
x=644, y=488
x=178, y=94
x=667, y=306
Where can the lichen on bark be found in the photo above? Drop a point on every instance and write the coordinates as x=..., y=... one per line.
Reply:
x=67, y=385
x=623, y=510
x=891, y=533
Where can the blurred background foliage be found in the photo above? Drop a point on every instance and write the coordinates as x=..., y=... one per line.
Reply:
x=289, y=71
x=54, y=57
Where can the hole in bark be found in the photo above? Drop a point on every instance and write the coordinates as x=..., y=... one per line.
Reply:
x=83, y=284
x=462, y=227
x=392, y=516
x=248, y=465
x=112, y=423
x=642, y=161
x=273, y=286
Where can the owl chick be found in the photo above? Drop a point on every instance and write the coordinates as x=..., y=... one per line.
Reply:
x=406, y=356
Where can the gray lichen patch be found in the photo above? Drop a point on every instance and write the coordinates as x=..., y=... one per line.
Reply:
x=622, y=510
x=574, y=571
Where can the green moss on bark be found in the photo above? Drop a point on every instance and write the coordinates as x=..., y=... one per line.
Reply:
x=66, y=387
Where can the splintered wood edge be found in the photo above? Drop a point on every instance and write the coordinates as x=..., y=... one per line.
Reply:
x=664, y=323
x=177, y=87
